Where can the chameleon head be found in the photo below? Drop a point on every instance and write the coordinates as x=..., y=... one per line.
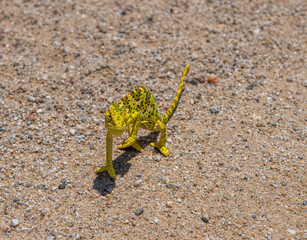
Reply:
x=115, y=119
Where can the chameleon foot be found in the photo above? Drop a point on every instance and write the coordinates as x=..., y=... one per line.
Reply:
x=135, y=145
x=127, y=143
x=110, y=170
x=162, y=149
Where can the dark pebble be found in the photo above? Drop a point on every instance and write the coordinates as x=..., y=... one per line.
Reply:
x=254, y=216
x=62, y=185
x=83, y=119
x=77, y=54
x=139, y=211
x=92, y=147
x=305, y=202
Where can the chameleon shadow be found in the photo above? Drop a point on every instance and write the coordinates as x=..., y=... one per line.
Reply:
x=103, y=183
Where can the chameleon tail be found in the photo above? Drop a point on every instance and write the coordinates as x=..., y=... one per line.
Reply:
x=170, y=111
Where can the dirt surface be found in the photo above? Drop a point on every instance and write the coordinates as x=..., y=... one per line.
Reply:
x=237, y=168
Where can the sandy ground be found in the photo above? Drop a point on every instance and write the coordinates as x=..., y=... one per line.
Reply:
x=237, y=168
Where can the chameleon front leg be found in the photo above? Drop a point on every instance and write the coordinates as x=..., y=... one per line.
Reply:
x=132, y=130
x=135, y=145
x=109, y=165
x=161, y=144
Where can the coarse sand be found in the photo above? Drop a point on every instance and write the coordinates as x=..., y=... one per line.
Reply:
x=237, y=141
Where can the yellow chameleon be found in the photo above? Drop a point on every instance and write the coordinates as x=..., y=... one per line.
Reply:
x=137, y=109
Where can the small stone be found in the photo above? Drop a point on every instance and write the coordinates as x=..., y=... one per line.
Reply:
x=254, y=216
x=305, y=202
x=205, y=218
x=50, y=238
x=156, y=220
x=178, y=200
x=138, y=183
x=169, y=204
x=289, y=79
x=293, y=232
x=139, y=211
x=31, y=99
x=39, y=110
x=77, y=54
x=72, y=131
x=62, y=185
x=158, y=158
x=92, y=147
x=78, y=237
x=83, y=119
x=213, y=79
x=86, y=72
x=284, y=183
x=276, y=185
x=14, y=223
x=245, y=177
x=214, y=109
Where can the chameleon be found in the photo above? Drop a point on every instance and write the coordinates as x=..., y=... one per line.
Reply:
x=137, y=109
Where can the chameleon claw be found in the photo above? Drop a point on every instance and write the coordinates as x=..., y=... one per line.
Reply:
x=162, y=149
x=99, y=170
x=127, y=143
x=109, y=170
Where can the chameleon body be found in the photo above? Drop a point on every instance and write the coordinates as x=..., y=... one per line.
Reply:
x=135, y=110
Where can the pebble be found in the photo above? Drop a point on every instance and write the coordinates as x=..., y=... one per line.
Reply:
x=245, y=177
x=305, y=202
x=72, y=131
x=83, y=119
x=254, y=216
x=92, y=147
x=77, y=54
x=50, y=238
x=31, y=99
x=139, y=211
x=14, y=223
x=156, y=220
x=62, y=185
x=138, y=183
x=205, y=218
x=158, y=158
x=213, y=78
x=293, y=232
x=214, y=109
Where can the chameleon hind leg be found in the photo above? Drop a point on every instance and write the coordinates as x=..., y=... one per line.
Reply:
x=161, y=144
x=131, y=140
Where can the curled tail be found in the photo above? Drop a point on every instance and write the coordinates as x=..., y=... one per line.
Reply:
x=170, y=111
